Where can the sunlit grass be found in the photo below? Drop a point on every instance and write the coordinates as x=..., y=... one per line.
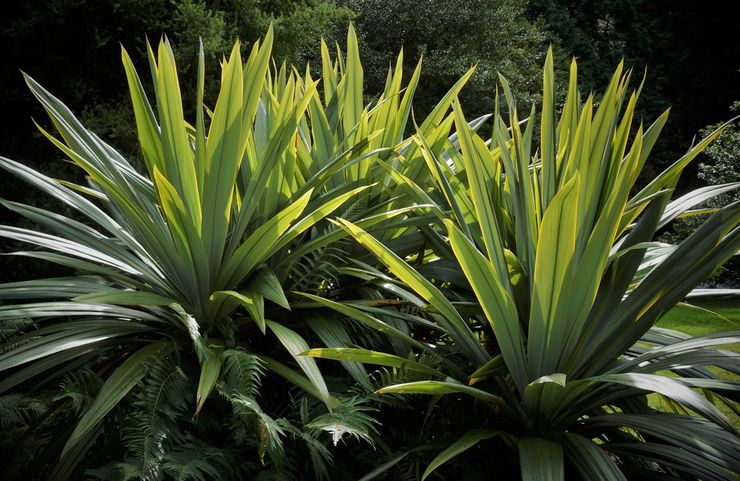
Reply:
x=724, y=317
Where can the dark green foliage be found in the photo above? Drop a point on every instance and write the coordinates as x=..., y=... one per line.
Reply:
x=163, y=440
x=720, y=165
x=154, y=436
x=78, y=389
x=256, y=425
x=150, y=430
x=318, y=270
x=17, y=409
x=12, y=327
x=495, y=35
x=688, y=49
x=74, y=48
x=298, y=24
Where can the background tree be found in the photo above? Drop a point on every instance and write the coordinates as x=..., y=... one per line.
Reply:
x=73, y=47
x=688, y=48
x=496, y=35
x=721, y=165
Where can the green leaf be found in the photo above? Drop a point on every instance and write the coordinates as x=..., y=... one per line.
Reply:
x=371, y=357
x=210, y=369
x=295, y=345
x=309, y=220
x=178, y=164
x=65, y=308
x=265, y=282
x=440, y=388
x=366, y=319
x=556, y=249
x=465, y=442
x=673, y=457
x=53, y=287
x=547, y=132
x=334, y=334
x=496, y=366
x=254, y=249
x=495, y=301
x=146, y=123
x=116, y=387
x=124, y=298
x=59, y=337
x=253, y=302
x=671, y=388
x=543, y=397
x=540, y=460
x=592, y=462
x=689, y=433
x=353, y=79
x=694, y=198
x=56, y=362
x=224, y=150
x=455, y=325
x=481, y=181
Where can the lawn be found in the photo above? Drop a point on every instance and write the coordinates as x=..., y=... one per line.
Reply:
x=698, y=321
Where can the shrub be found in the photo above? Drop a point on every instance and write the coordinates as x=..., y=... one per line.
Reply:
x=517, y=275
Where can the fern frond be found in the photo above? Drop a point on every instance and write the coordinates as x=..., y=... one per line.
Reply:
x=152, y=422
x=317, y=271
x=79, y=387
x=10, y=346
x=348, y=418
x=248, y=409
x=242, y=372
x=128, y=470
x=108, y=472
x=11, y=327
x=18, y=409
x=190, y=465
x=321, y=458
x=241, y=376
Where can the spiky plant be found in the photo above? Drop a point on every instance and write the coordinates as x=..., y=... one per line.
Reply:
x=187, y=260
x=548, y=334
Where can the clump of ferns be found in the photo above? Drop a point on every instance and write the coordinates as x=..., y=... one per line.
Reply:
x=306, y=444
x=308, y=433
x=239, y=386
x=161, y=437
x=318, y=271
x=11, y=327
x=17, y=414
x=77, y=390
x=348, y=423
x=19, y=410
x=14, y=328
x=30, y=422
x=153, y=422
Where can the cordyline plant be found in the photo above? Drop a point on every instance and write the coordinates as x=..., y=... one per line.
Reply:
x=550, y=326
x=530, y=266
x=179, y=260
